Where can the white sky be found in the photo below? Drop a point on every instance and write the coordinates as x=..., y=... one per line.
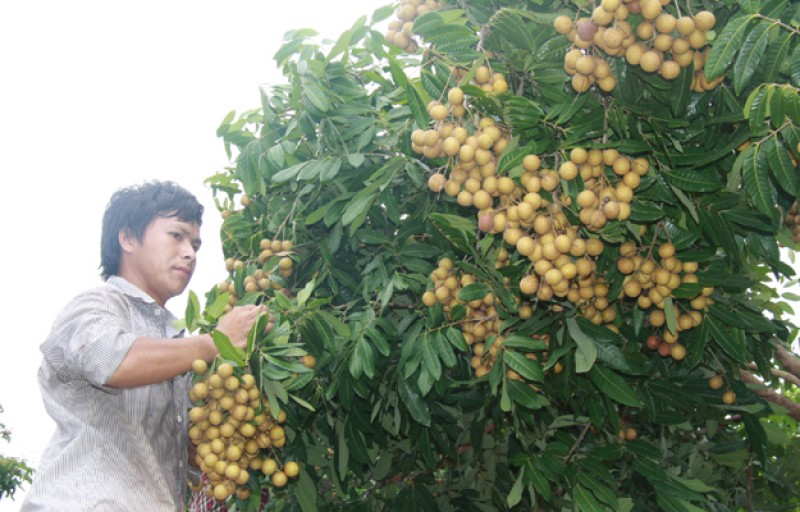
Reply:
x=97, y=95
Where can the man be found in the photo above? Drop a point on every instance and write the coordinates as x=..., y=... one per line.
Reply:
x=114, y=373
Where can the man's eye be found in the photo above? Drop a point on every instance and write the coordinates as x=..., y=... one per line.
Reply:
x=176, y=236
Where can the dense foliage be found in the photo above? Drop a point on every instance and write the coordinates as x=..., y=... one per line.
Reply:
x=14, y=472
x=526, y=285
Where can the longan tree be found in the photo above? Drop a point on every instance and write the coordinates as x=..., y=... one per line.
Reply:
x=532, y=248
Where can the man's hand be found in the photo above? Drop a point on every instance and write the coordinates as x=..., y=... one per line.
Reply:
x=237, y=323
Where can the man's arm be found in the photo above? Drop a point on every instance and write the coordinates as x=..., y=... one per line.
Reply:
x=152, y=360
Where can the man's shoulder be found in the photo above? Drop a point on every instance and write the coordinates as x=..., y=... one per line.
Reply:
x=102, y=294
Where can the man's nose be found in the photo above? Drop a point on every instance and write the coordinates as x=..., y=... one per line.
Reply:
x=188, y=251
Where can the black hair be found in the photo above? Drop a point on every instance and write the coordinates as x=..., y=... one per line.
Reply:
x=133, y=208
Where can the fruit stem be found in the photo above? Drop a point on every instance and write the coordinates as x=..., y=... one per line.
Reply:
x=606, y=108
x=678, y=8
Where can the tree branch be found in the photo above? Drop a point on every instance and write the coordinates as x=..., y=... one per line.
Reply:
x=789, y=360
x=779, y=374
x=793, y=408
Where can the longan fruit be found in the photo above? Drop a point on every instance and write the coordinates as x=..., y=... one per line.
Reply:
x=704, y=20
x=292, y=469
x=562, y=24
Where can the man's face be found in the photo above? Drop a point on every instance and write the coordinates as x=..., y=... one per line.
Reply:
x=163, y=261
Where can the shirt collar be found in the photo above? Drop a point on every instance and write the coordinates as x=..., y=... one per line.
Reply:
x=135, y=293
x=130, y=289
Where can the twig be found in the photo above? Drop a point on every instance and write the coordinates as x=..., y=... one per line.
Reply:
x=578, y=442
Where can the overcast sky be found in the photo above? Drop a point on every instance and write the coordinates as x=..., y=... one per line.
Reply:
x=97, y=95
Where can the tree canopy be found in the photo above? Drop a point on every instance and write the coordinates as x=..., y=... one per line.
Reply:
x=531, y=253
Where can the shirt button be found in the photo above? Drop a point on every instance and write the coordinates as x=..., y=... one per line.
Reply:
x=180, y=419
x=157, y=312
x=180, y=464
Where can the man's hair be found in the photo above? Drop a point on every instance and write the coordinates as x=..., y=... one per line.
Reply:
x=133, y=208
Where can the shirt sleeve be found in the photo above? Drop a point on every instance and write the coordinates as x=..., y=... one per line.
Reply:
x=90, y=338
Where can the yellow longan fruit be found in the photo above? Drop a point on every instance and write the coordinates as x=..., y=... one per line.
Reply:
x=455, y=96
x=199, y=366
x=292, y=469
x=650, y=61
x=562, y=24
x=704, y=20
x=685, y=25
x=279, y=478
x=715, y=382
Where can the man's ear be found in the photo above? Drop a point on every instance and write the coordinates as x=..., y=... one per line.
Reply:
x=126, y=239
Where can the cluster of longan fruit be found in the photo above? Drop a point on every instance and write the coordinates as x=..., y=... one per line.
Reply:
x=401, y=30
x=234, y=435
x=792, y=220
x=561, y=262
x=660, y=42
x=649, y=282
x=666, y=349
x=261, y=279
x=604, y=198
x=627, y=433
x=485, y=78
x=479, y=149
x=480, y=321
x=716, y=382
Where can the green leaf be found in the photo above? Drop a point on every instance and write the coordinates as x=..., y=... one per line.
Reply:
x=417, y=106
x=726, y=45
x=750, y=55
x=192, y=309
x=443, y=349
x=646, y=211
x=586, y=354
x=357, y=207
x=780, y=164
x=524, y=394
x=524, y=342
x=289, y=173
x=585, y=500
x=668, y=503
x=226, y=348
x=515, y=494
x=749, y=6
x=340, y=46
x=414, y=403
x=430, y=358
x=614, y=386
x=537, y=477
x=756, y=180
x=681, y=92
x=528, y=368
x=458, y=230
x=669, y=313
x=315, y=95
x=306, y=492
x=776, y=56
x=732, y=340
x=215, y=310
x=691, y=180
x=474, y=291
x=795, y=66
x=756, y=108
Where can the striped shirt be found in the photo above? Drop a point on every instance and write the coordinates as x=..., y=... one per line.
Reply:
x=113, y=449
